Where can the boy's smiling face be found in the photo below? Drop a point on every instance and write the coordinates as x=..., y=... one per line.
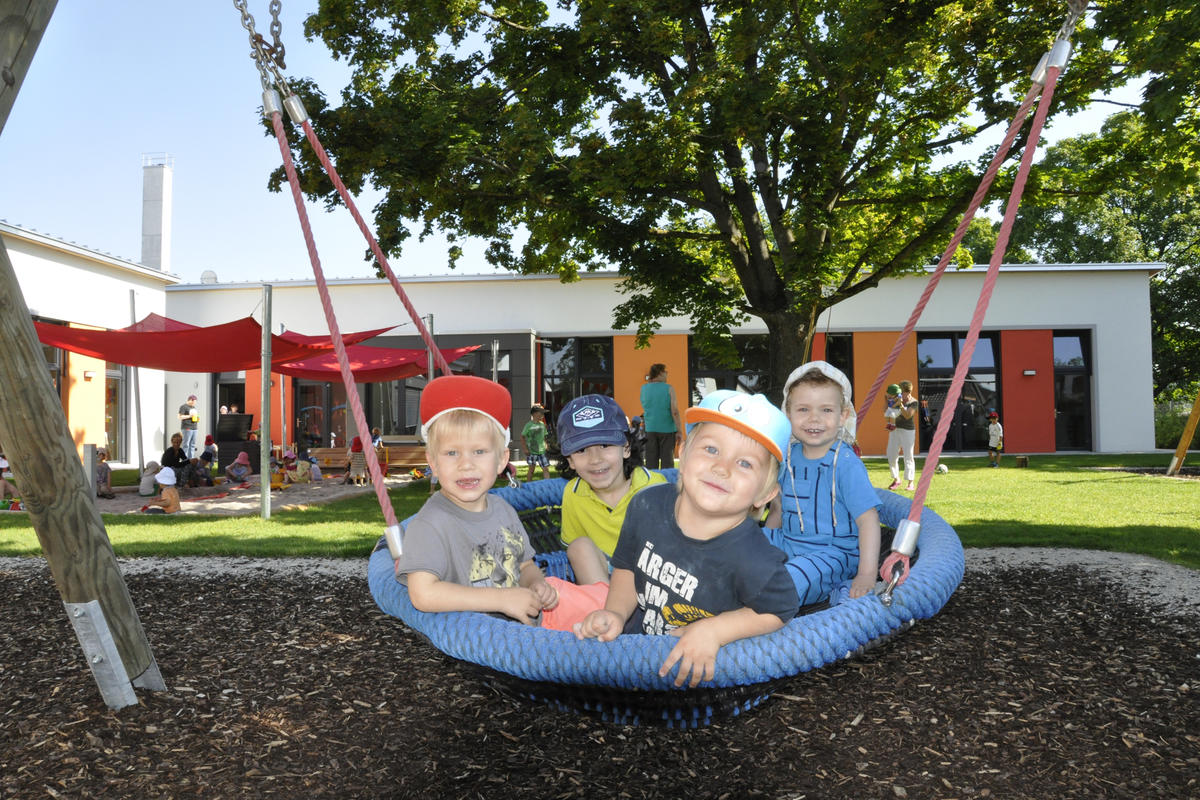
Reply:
x=816, y=413
x=602, y=466
x=723, y=474
x=466, y=460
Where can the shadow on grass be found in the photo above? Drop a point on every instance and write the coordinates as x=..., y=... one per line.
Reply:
x=1177, y=545
x=340, y=529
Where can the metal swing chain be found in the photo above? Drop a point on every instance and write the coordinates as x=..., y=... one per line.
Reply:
x=1076, y=9
x=267, y=57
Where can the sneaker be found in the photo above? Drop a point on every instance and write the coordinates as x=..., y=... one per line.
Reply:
x=893, y=485
x=908, y=488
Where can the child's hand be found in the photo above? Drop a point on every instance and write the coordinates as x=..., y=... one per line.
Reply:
x=601, y=624
x=547, y=595
x=862, y=586
x=520, y=604
x=695, y=652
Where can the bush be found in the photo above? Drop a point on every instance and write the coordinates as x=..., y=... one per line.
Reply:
x=1168, y=427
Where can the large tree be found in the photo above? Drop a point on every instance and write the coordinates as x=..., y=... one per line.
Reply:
x=1126, y=195
x=765, y=158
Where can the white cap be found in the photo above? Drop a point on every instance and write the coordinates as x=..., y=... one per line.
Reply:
x=166, y=476
x=849, y=429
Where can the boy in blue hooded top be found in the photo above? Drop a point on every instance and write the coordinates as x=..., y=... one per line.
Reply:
x=829, y=526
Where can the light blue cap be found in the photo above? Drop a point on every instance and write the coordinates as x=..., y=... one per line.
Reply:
x=751, y=414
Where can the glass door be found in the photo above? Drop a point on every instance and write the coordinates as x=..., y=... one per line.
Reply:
x=937, y=357
x=1072, y=390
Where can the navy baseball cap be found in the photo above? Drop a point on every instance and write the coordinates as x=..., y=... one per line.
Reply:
x=588, y=420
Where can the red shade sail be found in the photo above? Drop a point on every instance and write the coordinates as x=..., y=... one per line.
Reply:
x=161, y=343
x=369, y=364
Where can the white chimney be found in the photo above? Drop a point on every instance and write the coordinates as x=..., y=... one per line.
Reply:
x=158, y=171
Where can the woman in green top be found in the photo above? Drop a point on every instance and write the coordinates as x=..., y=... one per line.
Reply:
x=661, y=416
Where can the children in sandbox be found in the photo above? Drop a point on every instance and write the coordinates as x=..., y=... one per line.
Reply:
x=826, y=517
x=690, y=561
x=239, y=470
x=601, y=478
x=167, y=502
x=466, y=550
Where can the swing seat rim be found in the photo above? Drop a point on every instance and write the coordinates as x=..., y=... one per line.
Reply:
x=807, y=642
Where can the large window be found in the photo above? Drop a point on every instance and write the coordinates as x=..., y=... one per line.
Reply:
x=116, y=422
x=839, y=351
x=572, y=367
x=750, y=376
x=394, y=406
x=320, y=414
x=937, y=356
x=55, y=365
x=1073, y=390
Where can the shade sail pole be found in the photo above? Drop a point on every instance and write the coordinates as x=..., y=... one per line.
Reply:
x=264, y=425
x=137, y=394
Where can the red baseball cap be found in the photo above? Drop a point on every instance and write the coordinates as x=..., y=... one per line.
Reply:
x=466, y=392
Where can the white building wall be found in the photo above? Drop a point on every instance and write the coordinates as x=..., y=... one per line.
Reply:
x=1110, y=300
x=460, y=304
x=68, y=283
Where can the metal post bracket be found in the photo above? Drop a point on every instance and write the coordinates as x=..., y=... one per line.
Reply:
x=101, y=653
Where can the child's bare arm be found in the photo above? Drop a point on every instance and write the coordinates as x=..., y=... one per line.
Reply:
x=696, y=650
x=868, y=553
x=607, y=623
x=430, y=593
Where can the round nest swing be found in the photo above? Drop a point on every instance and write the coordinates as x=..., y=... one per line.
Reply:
x=619, y=679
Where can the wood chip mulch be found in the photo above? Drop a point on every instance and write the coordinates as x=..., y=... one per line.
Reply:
x=1029, y=684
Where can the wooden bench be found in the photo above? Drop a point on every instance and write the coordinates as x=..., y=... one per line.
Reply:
x=329, y=457
x=402, y=457
x=396, y=456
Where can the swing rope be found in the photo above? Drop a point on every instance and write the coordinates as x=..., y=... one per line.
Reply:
x=339, y=348
x=976, y=201
x=268, y=60
x=895, y=567
x=296, y=111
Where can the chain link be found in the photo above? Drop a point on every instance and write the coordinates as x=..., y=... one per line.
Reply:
x=268, y=58
x=276, y=30
x=1077, y=9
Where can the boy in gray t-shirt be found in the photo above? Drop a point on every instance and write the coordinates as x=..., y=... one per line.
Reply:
x=466, y=550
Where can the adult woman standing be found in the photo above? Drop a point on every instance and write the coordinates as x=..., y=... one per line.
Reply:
x=661, y=415
x=901, y=414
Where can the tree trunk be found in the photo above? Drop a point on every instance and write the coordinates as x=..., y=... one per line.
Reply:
x=787, y=340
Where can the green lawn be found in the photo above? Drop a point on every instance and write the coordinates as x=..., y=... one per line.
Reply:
x=1058, y=501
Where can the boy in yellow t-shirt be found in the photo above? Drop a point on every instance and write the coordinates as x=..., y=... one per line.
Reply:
x=593, y=435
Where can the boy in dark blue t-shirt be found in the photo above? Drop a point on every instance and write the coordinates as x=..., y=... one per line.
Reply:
x=692, y=562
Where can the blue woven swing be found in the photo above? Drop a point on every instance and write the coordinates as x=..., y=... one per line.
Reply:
x=619, y=679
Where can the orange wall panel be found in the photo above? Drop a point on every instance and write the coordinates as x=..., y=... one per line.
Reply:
x=630, y=367
x=254, y=403
x=83, y=400
x=1027, y=410
x=871, y=349
x=818, y=347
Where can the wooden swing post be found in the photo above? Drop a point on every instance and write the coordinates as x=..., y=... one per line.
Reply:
x=42, y=454
x=1185, y=441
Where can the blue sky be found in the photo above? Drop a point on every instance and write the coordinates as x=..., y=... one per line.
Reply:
x=116, y=80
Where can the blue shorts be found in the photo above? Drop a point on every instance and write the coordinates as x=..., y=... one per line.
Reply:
x=538, y=459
